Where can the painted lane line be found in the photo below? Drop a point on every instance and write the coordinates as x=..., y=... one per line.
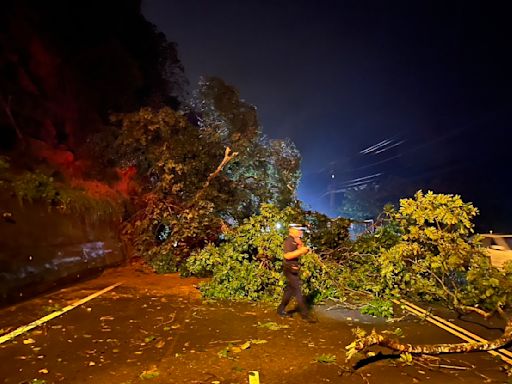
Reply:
x=424, y=314
x=42, y=320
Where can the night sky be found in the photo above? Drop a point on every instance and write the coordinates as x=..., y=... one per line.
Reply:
x=430, y=82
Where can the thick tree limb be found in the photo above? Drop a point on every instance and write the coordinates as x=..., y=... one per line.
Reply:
x=228, y=156
x=431, y=349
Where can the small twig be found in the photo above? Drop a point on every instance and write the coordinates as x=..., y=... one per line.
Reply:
x=168, y=207
x=426, y=365
x=364, y=378
x=453, y=367
x=225, y=341
x=167, y=322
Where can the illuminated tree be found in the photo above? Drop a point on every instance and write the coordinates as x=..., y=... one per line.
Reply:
x=438, y=258
x=265, y=170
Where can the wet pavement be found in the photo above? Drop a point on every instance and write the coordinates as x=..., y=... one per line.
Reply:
x=156, y=328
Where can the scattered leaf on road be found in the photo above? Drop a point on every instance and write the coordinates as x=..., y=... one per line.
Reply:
x=160, y=344
x=29, y=341
x=246, y=345
x=325, y=359
x=223, y=353
x=44, y=370
x=149, y=374
x=150, y=338
x=272, y=326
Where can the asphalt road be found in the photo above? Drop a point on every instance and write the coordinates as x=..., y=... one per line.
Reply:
x=157, y=329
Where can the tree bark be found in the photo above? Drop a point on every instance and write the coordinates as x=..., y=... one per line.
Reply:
x=434, y=349
x=228, y=156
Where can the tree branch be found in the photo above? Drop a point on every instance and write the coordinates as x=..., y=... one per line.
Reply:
x=431, y=349
x=454, y=297
x=228, y=156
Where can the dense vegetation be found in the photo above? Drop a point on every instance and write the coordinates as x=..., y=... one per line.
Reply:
x=426, y=250
x=198, y=186
x=101, y=118
x=247, y=263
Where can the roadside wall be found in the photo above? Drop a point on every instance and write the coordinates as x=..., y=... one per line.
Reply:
x=42, y=248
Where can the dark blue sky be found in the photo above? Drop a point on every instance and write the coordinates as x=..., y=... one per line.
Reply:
x=340, y=76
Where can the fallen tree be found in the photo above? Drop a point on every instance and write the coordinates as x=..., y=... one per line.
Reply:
x=374, y=338
x=438, y=259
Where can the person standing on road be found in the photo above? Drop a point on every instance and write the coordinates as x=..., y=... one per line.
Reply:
x=293, y=250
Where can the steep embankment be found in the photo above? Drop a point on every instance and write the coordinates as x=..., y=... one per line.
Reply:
x=40, y=248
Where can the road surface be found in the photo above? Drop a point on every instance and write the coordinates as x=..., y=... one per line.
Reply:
x=157, y=329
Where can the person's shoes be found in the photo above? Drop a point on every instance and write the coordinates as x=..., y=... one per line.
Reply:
x=309, y=319
x=283, y=313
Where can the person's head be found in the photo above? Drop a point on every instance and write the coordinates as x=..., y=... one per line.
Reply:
x=295, y=230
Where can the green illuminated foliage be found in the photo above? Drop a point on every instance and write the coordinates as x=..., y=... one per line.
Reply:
x=437, y=257
x=248, y=264
x=378, y=307
x=182, y=188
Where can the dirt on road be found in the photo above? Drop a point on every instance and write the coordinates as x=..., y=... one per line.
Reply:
x=157, y=329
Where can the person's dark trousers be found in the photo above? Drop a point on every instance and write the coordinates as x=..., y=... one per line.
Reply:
x=292, y=289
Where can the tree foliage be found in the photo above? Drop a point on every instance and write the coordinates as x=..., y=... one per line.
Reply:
x=61, y=81
x=172, y=161
x=265, y=170
x=247, y=265
x=437, y=258
x=182, y=191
